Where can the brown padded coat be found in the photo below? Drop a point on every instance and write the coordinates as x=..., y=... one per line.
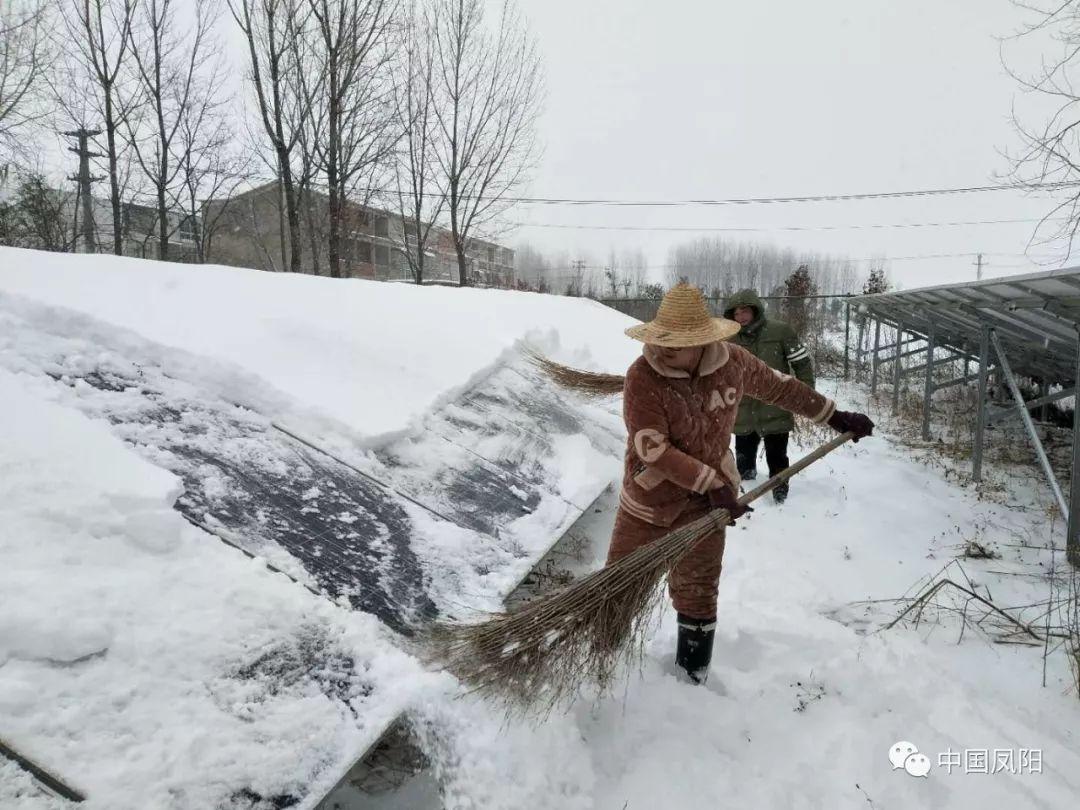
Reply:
x=679, y=445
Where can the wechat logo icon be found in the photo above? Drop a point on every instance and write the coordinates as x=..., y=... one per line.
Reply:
x=906, y=755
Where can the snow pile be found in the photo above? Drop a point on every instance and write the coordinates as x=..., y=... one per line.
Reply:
x=146, y=662
x=143, y=661
x=510, y=464
x=371, y=355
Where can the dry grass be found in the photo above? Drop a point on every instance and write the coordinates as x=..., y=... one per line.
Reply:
x=952, y=593
x=557, y=569
x=1007, y=451
x=1071, y=615
x=974, y=550
x=1007, y=457
x=952, y=598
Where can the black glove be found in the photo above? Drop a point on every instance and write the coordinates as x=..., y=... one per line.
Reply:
x=725, y=498
x=850, y=422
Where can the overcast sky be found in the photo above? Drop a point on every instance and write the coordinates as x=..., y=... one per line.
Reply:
x=716, y=99
x=699, y=99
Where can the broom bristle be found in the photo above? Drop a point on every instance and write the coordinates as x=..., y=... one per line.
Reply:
x=540, y=655
x=588, y=383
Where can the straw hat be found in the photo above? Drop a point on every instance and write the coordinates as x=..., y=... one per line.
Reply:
x=683, y=320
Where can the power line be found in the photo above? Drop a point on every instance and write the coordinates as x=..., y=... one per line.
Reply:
x=371, y=192
x=934, y=256
x=878, y=195
x=766, y=228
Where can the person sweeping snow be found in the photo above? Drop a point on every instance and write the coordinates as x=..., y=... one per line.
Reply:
x=680, y=401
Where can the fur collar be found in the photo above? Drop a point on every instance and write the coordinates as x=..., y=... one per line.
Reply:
x=714, y=357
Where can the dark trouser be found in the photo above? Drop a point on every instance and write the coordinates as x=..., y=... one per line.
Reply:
x=746, y=447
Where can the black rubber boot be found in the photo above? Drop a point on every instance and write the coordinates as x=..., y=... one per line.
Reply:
x=693, y=651
x=780, y=493
x=747, y=467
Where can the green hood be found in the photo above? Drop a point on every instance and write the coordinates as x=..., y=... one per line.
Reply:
x=744, y=298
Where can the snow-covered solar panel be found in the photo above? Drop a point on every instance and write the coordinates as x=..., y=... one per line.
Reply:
x=445, y=520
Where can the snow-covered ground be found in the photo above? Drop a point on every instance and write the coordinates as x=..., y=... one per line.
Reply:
x=807, y=695
x=154, y=667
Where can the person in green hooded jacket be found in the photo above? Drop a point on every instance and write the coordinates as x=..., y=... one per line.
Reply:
x=775, y=343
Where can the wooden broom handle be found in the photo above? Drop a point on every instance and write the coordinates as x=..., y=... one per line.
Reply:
x=797, y=467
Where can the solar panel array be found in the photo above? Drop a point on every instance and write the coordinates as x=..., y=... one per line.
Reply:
x=1036, y=316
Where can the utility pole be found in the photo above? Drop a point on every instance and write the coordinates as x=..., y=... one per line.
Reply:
x=578, y=277
x=979, y=263
x=85, y=180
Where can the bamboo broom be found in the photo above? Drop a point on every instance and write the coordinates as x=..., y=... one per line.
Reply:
x=587, y=383
x=541, y=654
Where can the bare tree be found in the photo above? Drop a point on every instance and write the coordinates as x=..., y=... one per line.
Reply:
x=848, y=276
x=614, y=277
x=720, y=266
x=170, y=58
x=354, y=40
x=23, y=58
x=636, y=265
x=1050, y=150
x=488, y=94
x=307, y=117
x=419, y=198
x=101, y=33
x=208, y=164
x=534, y=266
x=272, y=29
x=310, y=201
x=312, y=132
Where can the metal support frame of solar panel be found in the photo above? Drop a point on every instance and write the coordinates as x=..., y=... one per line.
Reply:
x=1025, y=326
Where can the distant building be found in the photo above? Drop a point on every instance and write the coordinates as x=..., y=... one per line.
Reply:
x=490, y=264
x=246, y=231
x=140, y=231
x=139, y=224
